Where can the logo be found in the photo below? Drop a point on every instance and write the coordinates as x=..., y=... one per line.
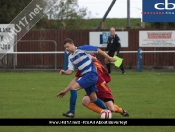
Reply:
x=158, y=10
x=165, y=6
x=159, y=35
x=104, y=37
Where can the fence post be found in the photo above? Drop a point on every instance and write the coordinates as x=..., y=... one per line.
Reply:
x=139, y=60
x=65, y=67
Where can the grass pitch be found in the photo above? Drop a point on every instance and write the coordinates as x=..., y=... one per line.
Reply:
x=146, y=94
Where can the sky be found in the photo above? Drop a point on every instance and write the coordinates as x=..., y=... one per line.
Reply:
x=99, y=7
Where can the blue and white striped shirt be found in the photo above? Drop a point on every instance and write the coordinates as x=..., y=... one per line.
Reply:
x=82, y=60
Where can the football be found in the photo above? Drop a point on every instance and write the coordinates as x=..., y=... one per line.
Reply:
x=105, y=114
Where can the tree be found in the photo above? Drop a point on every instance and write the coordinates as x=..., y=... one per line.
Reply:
x=10, y=9
x=65, y=14
x=68, y=14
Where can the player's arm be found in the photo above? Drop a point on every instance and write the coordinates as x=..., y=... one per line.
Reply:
x=72, y=82
x=97, y=50
x=67, y=72
x=62, y=93
x=111, y=59
x=70, y=69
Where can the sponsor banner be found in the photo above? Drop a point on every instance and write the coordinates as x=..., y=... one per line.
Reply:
x=158, y=11
x=4, y=31
x=165, y=38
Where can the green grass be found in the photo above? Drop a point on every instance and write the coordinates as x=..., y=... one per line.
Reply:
x=146, y=94
x=117, y=23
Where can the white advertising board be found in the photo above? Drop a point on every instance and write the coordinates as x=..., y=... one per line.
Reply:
x=164, y=38
x=6, y=43
x=99, y=39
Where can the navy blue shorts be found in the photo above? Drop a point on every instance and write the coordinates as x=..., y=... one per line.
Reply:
x=88, y=82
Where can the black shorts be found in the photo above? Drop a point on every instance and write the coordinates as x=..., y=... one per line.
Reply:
x=111, y=53
x=106, y=100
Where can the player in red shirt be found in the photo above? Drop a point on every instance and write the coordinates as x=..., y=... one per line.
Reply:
x=104, y=92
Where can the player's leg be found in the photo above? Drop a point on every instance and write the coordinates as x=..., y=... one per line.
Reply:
x=109, y=104
x=82, y=82
x=105, y=94
x=120, y=110
x=94, y=99
x=72, y=104
x=87, y=103
x=107, y=62
x=121, y=66
x=88, y=82
x=73, y=97
x=114, y=108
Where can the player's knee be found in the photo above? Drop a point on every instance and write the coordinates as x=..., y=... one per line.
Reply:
x=72, y=88
x=85, y=100
x=93, y=97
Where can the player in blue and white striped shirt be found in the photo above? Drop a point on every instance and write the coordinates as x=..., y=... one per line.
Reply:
x=82, y=60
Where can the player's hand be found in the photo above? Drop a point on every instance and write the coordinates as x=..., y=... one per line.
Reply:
x=62, y=72
x=111, y=59
x=61, y=94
